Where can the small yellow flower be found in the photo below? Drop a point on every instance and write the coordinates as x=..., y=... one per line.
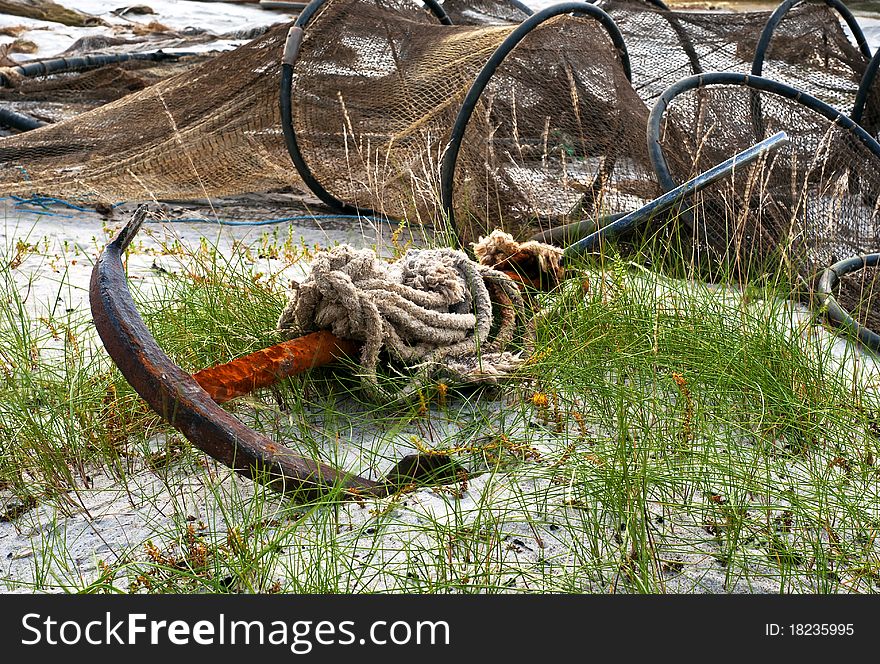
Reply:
x=540, y=400
x=442, y=390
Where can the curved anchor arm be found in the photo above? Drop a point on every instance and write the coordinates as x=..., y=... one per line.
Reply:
x=181, y=401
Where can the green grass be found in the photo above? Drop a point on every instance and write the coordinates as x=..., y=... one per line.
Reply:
x=667, y=436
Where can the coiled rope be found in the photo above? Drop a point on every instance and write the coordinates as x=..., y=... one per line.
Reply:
x=431, y=311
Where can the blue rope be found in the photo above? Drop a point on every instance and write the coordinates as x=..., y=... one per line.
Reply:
x=44, y=202
x=265, y=222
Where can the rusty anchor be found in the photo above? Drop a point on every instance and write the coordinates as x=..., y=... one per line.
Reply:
x=183, y=402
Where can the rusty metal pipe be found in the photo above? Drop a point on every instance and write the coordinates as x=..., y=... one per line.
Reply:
x=182, y=402
x=269, y=365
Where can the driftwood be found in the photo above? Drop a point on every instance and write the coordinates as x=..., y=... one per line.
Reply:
x=46, y=10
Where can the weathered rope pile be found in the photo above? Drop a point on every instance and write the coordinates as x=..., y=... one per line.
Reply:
x=431, y=311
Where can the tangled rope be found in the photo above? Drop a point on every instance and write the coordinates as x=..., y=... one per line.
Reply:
x=431, y=311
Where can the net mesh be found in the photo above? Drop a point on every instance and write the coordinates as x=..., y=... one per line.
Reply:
x=60, y=97
x=870, y=119
x=391, y=75
x=377, y=87
x=808, y=204
x=809, y=49
x=555, y=137
x=373, y=108
x=211, y=131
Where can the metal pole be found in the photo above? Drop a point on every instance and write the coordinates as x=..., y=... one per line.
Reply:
x=670, y=198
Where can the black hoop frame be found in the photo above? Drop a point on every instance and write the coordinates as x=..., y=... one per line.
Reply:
x=291, y=54
x=453, y=147
x=834, y=312
x=655, y=150
x=779, y=14
x=865, y=88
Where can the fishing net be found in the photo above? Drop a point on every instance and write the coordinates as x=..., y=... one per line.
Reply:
x=557, y=133
x=215, y=129
x=808, y=204
x=809, y=48
x=816, y=47
x=61, y=96
x=556, y=136
x=373, y=107
x=211, y=131
x=372, y=120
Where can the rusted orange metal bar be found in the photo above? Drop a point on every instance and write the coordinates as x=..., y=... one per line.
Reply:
x=269, y=365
